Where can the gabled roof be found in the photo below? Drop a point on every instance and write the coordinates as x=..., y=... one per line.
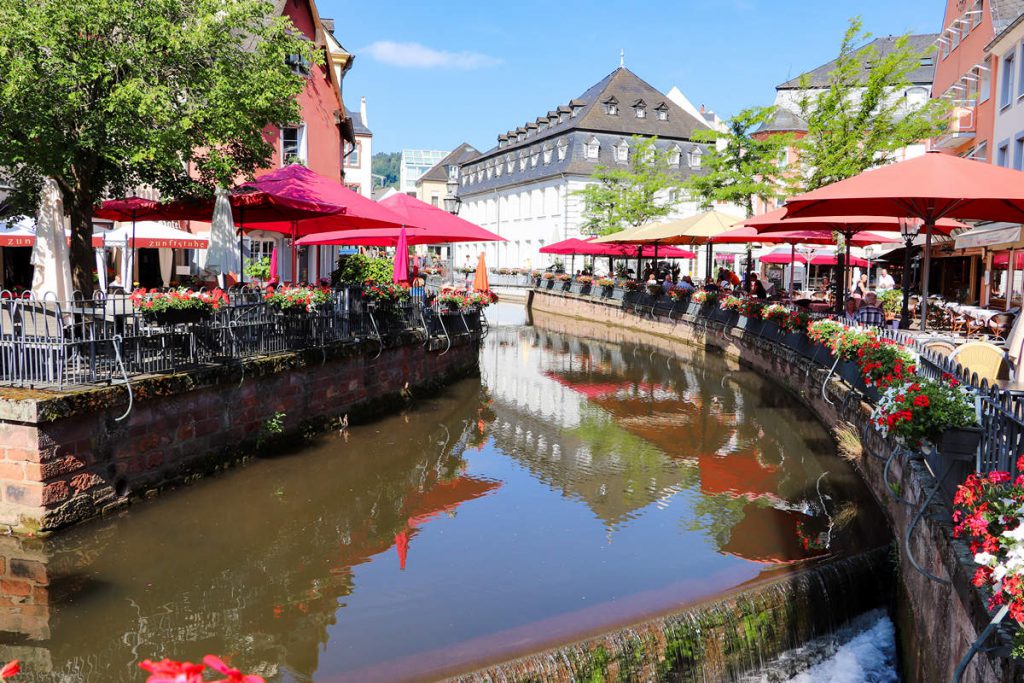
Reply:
x=783, y=121
x=460, y=155
x=621, y=85
x=358, y=126
x=819, y=77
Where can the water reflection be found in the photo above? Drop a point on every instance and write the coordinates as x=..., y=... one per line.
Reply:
x=577, y=485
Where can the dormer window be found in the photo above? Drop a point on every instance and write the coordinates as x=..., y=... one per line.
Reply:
x=675, y=155
x=576, y=109
x=696, y=156
x=499, y=169
x=547, y=153
x=622, y=152
x=490, y=171
x=510, y=162
x=563, y=147
x=611, y=106
x=593, y=148
x=534, y=156
x=501, y=143
x=522, y=160
x=562, y=116
x=640, y=109
x=662, y=112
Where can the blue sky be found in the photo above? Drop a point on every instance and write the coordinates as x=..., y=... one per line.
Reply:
x=439, y=73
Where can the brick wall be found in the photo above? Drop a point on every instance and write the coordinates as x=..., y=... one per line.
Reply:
x=66, y=457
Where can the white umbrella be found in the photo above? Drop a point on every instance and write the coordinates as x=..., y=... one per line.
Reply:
x=52, y=276
x=222, y=255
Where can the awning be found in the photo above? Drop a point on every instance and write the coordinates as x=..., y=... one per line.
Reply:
x=988, y=237
x=153, y=235
x=20, y=234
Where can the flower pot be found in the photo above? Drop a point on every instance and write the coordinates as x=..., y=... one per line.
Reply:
x=566, y=285
x=618, y=294
x=585, y=289
x=550, y=284
x=607, y=292
x=960, y=444
x=177, y=316
x=771, y=331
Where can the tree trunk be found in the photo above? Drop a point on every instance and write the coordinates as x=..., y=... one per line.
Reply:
x=79, y=205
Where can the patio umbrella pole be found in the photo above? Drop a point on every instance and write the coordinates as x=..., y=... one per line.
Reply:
x=655, y=259
x=241, y=236
x=707, y=266
x=132, y=273
x=639, y=262
x=905, y=312
x=792, y=267
x=925, y=270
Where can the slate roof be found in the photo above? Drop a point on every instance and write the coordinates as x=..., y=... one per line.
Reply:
x=924, y=74
x=358, y=127
x=460, y=155
x=626, y=88
x=784, y=121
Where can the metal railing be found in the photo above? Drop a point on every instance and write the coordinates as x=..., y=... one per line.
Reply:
x=105, y=339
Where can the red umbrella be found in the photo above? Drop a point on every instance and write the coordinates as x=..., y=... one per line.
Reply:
x=443, y=226
x=567, y=247
x=928, y=187
x=847, y=225
x=824, y=258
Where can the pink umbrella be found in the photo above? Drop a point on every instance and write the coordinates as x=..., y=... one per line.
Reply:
x=401, y=274
x=273, y=264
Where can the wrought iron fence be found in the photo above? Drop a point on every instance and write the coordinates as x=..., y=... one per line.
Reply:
x=86, y=341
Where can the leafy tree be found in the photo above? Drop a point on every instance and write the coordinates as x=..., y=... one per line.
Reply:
x=387, y=165
x=109, y=95
x=862, y=118
x=741, y=166
x=623, y=198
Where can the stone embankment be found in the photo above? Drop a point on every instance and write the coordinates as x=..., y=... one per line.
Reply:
x=69, y=456
x=938, y=622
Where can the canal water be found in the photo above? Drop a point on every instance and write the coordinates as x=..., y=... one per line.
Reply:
x=575, y=486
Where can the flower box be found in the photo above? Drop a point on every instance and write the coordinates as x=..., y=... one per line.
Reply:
x=798, y=342
x=749, y=325
x=586, y=288
x=550, y=284
x=850, y=373
x=177, y=316
x=566, y=285
x=607, y=292
x=960, y=444
x=771, y=331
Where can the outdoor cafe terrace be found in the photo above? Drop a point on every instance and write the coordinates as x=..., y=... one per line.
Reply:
x=51, y=344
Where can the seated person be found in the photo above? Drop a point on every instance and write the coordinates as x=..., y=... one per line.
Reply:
x=870, y=313
x=667, y=284
x=850, y=308
x=710, y=286
x=686, y=284
x=754, y=288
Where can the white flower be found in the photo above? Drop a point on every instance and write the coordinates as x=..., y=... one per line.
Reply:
x=1016, y=534
x=984, y=558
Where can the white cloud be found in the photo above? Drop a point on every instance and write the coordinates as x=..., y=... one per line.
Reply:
x=416, y=56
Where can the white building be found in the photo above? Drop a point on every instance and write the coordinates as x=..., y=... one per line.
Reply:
x=1008, y=131
x=359, y=155
x=524, y=188
x=416, y=162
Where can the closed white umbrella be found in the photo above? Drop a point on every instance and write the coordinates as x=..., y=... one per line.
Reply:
x=222, y=254
x=52, y=275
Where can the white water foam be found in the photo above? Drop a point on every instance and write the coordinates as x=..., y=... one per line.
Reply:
x=862, y=652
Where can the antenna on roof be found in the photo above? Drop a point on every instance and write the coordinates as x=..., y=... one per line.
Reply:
x=622, y=58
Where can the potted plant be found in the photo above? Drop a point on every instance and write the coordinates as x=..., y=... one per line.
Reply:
x=921, y=413
x=703, y=302
x=299, y=300
x=987, y=515
x=891, y=302
x=566, y=281
x=775, y=318
x=178, y=306
x=653, y=289
x=845, y=346
x=259, y=270
x=750, y=315
x=549, y=280
x=452, y=300
x=796, y=332
x=607, y=286
x=585, y=283
x=821, y=334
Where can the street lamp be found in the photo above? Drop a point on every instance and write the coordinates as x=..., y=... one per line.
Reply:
x=869, y=254
x=452, y=203
x=909, y=228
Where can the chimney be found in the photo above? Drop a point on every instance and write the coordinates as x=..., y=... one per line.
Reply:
x=362, y=111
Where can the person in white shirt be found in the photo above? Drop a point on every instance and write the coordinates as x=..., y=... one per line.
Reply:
x=885, y=281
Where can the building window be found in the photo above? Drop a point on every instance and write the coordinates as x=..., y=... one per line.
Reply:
x=696, y=157
x=662, y=111
x=547, y=154
x=611, y=106
x=917, y=96
x=1003, y=155
x=593, y=149
x=985, y=88
x=298, y=64
x=945, y=45
x=522, y=160
x=954, y=34
x=981, y=152
x=352, y=154
x=510, y=162
x=576, y=109
x=562, y=117
x=622, y=152
x=293, y=145
x=499, y=168
x=435, y=200
x=534, y=157
x=1006, y=87
x=640, y=109
x=1020, y=74
x=976, y=14
x=563, y=147
x=675, y=155
x=1018, y=152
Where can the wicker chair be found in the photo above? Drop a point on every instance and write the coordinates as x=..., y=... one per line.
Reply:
x=1000, y=325
x=941, y=347
x=987, y=361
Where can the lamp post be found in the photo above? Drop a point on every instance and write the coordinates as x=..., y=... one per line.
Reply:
x=452, y=204
x=869, y=254
x=909, y=227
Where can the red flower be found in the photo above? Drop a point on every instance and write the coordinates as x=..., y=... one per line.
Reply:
x=921, y=401
x=9, y=669
x=168, y=671
x=982, y=576
x=233, y=675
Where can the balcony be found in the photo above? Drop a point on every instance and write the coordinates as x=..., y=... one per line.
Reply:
x=960, y=129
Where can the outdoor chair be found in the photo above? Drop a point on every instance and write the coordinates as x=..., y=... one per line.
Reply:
x=1000, y=325
x=987, y=361
x=940, y=347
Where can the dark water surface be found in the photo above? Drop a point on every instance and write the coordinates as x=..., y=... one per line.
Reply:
x=576, y=486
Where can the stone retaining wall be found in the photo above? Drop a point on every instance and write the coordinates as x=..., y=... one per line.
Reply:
x=938, y=622
x=67, y=457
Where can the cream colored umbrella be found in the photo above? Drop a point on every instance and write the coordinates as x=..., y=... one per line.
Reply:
x=694, y=230
x=52, y=276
